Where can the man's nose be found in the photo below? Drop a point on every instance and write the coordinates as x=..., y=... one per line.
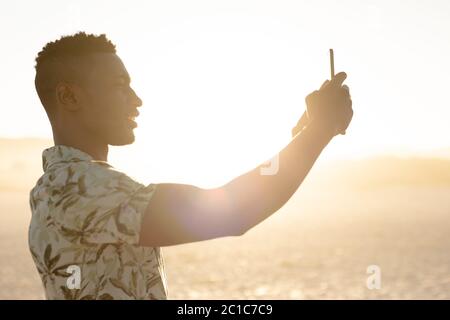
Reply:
x=137, y=102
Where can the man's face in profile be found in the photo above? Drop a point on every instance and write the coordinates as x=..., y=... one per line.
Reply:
x=109, y=105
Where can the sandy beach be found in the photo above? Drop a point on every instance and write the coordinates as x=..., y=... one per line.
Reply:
x=305, y=251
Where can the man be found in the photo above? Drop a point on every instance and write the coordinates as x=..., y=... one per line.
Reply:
x=95, y=233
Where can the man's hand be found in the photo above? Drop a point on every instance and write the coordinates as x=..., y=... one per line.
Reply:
x=330, y=107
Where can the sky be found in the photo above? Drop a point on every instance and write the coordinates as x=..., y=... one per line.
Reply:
x=223, y=82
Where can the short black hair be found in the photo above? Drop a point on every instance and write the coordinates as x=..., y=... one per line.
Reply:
x=52, y=62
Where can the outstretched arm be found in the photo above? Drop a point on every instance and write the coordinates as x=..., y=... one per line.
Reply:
x=179, y=213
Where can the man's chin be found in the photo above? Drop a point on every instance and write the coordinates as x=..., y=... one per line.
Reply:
x=122, y=140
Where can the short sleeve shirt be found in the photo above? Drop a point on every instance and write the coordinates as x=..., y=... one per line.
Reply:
x=84, y=231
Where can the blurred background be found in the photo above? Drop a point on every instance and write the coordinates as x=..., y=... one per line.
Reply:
x=223, y=83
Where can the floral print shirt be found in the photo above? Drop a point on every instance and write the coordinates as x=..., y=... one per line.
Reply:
x=86, y=217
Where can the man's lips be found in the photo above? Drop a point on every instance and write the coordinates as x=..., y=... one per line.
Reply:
x=133, y=115
x=131, y=123
x=131, y=119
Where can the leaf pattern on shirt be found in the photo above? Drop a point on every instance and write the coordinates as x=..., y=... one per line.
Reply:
x=87, y=214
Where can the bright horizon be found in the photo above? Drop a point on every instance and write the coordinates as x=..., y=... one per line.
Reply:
x=223, y=83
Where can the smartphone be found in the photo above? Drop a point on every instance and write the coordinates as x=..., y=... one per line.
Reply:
x=332, y=63
x=304, y=118
x=332, y=74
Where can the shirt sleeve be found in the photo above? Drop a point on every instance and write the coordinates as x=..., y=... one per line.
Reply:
x=123, y=222
x=110, y=209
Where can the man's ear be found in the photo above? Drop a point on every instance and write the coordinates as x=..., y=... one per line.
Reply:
x=68, y=96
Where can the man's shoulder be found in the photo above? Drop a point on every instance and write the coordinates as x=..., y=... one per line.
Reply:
x=92, y=192
x=82, y=180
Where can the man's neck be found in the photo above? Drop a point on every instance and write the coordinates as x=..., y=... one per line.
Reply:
x=98, y=151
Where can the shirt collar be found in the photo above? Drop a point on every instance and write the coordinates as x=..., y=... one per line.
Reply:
x=61, y=154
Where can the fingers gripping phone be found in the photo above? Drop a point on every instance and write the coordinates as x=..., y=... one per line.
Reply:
x=304, y=119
